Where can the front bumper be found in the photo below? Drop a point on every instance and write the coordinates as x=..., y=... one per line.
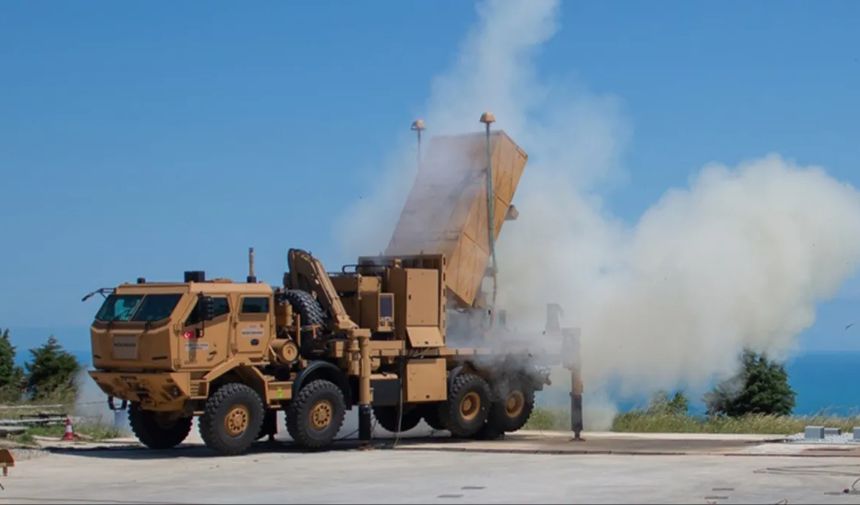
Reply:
x=155, y=391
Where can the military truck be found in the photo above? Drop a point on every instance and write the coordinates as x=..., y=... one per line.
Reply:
x=373, y=335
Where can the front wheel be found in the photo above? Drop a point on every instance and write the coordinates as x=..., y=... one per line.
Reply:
x=158, y=430
x=316, y=414
x=232, y=419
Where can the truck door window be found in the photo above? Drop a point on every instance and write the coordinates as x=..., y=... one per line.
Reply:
x=255, y=305
x=219, y=303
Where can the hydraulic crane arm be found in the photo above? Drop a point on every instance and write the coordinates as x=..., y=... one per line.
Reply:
x=307, y=273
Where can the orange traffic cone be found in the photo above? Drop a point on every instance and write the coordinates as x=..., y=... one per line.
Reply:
x=69, y=435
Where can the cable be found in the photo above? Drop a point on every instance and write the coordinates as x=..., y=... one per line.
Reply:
x=414, y=353
x=400, y=402
x=345, y=437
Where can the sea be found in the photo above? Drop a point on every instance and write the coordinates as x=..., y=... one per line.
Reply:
x=825, y=383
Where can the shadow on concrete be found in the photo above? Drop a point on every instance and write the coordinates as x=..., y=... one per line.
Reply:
x=199, y=451
x=512, y=443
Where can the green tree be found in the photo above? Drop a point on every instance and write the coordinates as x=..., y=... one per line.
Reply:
x=11, y=375
x=761, y=387
x=661, y=403
x=51, y=371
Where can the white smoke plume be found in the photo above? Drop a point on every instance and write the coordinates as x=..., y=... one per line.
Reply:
x=92, y=407
x=737, y=259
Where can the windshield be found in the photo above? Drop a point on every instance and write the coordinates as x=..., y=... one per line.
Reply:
x=137, y=307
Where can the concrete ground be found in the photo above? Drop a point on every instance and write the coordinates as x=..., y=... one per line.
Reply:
x=526, y=467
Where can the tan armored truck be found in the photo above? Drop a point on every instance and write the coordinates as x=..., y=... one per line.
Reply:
x=374, y=335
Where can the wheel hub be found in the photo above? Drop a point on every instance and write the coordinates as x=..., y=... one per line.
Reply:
x=514, y=403
x=321, y=415
x=236, y=420
x=470, y=405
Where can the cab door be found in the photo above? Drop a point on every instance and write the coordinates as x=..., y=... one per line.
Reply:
x=205, y=342
x=253, y=325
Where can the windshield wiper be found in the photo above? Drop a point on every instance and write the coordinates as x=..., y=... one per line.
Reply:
x=101, y=291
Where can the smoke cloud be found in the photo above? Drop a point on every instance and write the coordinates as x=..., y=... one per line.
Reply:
x=91, y=405
x=739, y=258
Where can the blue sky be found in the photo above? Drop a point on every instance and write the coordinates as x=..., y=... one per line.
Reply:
x=148, y=139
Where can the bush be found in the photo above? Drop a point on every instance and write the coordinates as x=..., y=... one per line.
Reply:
x=548, y=419
x=661, y=404
x=645, y=422
x=642, y=422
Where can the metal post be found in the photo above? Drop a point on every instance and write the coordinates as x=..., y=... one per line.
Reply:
x=365, y=395
x=576, y=405
x=571, y=356
x=488, y=118
x=270, y=424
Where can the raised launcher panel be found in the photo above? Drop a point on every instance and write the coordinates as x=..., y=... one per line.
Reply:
x=446, y=211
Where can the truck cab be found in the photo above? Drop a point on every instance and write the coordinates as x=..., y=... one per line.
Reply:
x=153, y=343
x=181, y=326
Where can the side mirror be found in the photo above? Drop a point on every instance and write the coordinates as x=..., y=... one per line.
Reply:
x=205, y=308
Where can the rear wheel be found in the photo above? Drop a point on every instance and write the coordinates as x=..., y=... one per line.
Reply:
x=387, y=417
x=465, y=411
x=232, y=419
x=158, y=430
x=316, y=414
x=513, y=408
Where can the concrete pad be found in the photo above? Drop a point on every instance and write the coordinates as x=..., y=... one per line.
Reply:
x=524, y=467
x=280, y=474
x=597, y=443
x=746, y=437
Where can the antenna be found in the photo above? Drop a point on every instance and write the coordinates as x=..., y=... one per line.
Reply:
x=418, y=127
x=251, y=277
x=488, y=118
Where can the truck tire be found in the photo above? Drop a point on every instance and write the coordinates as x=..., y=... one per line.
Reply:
x=431, y=417
x=512, y=410
x=465, y=411
x=316, y=414
x=232, y=419
x=155, y=429
x=387, y=418
x=306, y=306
